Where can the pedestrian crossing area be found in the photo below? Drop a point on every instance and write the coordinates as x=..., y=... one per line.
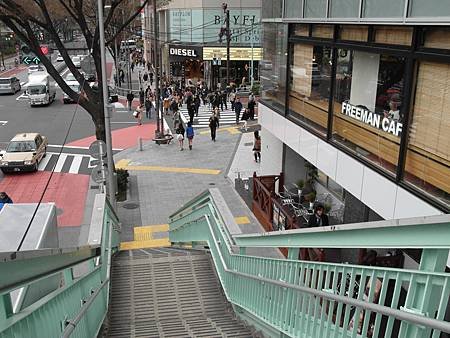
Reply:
x=227, y=117
x=66, y=163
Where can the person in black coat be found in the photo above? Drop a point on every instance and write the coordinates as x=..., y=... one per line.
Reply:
x=318, y=219
x=4, y=198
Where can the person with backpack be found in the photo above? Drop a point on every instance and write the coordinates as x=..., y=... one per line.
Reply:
x=213, y=124
x=190, y=134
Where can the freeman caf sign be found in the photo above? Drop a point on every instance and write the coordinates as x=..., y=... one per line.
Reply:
x=372, y=119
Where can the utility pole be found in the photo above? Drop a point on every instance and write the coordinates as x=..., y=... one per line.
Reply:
x=159, y=131
x=228, y=36
x=109, y=153
x=251, y=67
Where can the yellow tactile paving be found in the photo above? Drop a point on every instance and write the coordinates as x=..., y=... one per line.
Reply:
x=154, y=243
x=146, y=232
x=125, y=164
x=231, y=130
x=242, y=220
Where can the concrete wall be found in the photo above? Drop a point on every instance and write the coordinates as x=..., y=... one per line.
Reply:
x=271, y=154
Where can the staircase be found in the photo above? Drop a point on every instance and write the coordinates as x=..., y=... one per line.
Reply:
x=169, y=292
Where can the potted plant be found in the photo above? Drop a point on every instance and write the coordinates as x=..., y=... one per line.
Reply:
x=300, y=185
x=311, y=198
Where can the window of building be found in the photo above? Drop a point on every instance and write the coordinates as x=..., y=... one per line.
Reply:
x=354, y=33
x=383, y=8
x=301, y=29
x=310, y=80
x=344, y=9
x=368, y=104
x=437, y=38
x=273, y=66
x=394, y=35
x=428, y=156
x=271, y=9
x=323, y=31
x=420, y=8
x=315, y=8
x=292, y=9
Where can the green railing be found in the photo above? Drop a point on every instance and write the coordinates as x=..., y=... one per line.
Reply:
x=317, y=299
x=78, y=305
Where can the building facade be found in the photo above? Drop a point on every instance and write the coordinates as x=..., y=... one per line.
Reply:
x=189, y=40
x=360, y=90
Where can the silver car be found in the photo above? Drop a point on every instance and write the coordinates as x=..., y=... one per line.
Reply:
x=9, y=85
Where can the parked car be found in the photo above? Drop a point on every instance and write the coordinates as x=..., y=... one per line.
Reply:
x=9, y=85
x=24, y=152
x=59, y=58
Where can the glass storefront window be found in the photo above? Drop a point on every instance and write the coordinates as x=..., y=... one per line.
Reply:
x=428, y=156
x=315, y=8
x=437, y=38
x=273, y=66
x=310, y=80
x=394, y=35
x=367, y=105
x=271, y=9
x=354, y=33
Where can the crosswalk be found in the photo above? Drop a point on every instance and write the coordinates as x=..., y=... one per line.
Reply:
x=227, y=117
x=66, y=163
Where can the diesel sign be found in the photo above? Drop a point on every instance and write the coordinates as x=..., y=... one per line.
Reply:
x=183, y=52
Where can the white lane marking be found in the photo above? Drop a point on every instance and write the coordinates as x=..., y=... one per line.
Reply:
x=3, y=123
x=44, y=161
x=62, y=158
x=22, y=97
x=75, y=166
x=76, y=147
x=22, y=84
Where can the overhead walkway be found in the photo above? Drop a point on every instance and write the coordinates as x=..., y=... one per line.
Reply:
x=208, y=285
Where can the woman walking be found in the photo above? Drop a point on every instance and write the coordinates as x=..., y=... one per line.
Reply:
x=257, y=146
x=138, y=114
x=213, y=124
x=180, y=136
x=190, y=134
x=245, y=117
x=217, y=114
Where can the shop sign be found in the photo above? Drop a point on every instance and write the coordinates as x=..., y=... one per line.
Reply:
x=182, y=52
x=372, y=119
x=236, y=53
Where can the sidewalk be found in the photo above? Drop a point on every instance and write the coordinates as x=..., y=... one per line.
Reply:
x=163, y=178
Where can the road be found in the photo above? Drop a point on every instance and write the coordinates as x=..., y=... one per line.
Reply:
x=70, y=180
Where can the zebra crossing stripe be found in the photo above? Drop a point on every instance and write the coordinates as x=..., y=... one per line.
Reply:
x=60, y=163
x=76, y=163
x=66, y=163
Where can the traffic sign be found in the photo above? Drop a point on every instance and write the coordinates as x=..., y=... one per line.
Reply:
x=99, y=174
x=28, y=60
x=97, y=149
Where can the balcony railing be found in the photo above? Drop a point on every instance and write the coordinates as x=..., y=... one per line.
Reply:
x=316, y=299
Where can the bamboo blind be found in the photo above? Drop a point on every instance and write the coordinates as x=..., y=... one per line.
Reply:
x=437, y=38
x=301, y=30
x=394, y=35
x=322, y=31
x=430, y=127
x=354, y=33
x=302, y=69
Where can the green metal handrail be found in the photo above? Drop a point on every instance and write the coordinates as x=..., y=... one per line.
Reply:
x=79, y=305
x=318, y=299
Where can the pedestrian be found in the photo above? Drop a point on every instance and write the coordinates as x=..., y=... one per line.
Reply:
x=180, y=135
x=176, y=119
x=148, y=91
x=148, y=107
x=190, y=107
x=132, y=67
x=122, y=76
x=196, y=104
x=318, y=219
x=130, y=98
x=257, y=146
x=190, y=134
x=151, y=79
x=138, y=114
x=166, y=105
x=4, y=198
x=217, y=114
x=251, y=107
x=213, y=124
x=145, y=77
x=223, y=97
x=245, y=117
x=237, y=109
x=141, y=96
x=232, y=97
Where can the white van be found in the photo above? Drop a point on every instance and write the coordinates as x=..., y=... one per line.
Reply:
x=128, y=44
x=40, y=90
x=75, y=86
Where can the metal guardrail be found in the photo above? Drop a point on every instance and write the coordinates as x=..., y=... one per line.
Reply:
x=303, y=298
x=78, y=307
